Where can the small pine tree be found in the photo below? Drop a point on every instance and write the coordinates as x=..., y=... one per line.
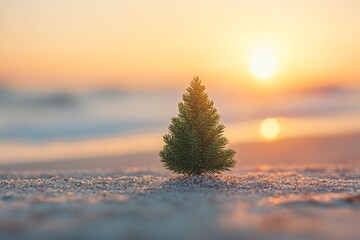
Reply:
x=195, y=143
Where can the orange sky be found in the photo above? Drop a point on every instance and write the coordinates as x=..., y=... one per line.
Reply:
x=151, y=44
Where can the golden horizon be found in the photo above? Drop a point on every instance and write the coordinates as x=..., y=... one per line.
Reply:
x=161, y=45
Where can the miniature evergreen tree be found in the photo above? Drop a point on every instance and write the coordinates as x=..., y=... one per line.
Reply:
x=195, y=143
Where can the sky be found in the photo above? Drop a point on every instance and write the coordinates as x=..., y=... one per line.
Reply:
x=163, y=44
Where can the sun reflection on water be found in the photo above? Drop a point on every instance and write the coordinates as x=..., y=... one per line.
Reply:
x=270, y=128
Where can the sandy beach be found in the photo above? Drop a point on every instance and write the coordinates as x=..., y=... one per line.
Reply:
x=272, y=194
x=260, y=203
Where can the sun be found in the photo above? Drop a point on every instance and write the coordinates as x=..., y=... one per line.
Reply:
x=262, y=62
x=270, y=128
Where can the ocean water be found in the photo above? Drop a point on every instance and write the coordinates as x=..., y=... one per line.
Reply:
x=45, y=124
x=46, y=116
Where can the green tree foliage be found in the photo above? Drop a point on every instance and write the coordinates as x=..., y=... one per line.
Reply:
x=195, y=143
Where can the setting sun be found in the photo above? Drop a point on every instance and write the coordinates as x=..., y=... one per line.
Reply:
x=270, y=128
x=262, y=62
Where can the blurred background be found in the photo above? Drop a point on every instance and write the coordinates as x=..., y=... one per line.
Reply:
x=95, y=83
